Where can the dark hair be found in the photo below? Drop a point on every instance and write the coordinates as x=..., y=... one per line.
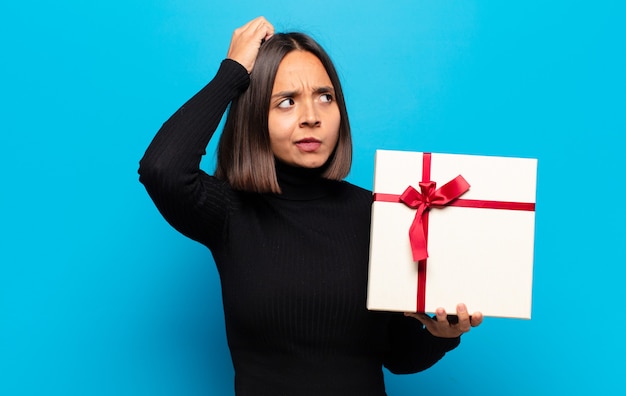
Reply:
x=244, y=157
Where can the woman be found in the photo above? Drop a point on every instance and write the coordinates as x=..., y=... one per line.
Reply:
x=290, y=238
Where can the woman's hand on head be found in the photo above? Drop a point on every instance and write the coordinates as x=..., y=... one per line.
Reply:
x=246, y=41
x=445, y=327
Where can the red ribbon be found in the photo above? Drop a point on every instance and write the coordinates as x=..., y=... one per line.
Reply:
x=446, y=195
x=430, y=197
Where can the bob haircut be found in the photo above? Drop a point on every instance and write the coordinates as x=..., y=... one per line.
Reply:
x=244, y=155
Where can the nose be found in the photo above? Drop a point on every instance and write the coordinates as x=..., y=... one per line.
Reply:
x=309, y=116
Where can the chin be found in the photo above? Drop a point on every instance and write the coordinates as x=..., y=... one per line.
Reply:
x=313, y=164
x=310, y=161
x=310, y=165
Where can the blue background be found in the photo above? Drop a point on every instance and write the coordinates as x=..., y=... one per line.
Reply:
x=99, y=296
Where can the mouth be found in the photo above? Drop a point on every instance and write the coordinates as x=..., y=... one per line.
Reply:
x=308, y=145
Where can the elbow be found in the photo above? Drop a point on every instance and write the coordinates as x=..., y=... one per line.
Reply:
x=164, y=180
x=155, y=177
x=152, y=170
x=147, y=170
x=411, y=366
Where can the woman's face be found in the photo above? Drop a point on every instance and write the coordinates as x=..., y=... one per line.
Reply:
x=304, y=117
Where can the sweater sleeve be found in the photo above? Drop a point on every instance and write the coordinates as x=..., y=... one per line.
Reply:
x=411, y=348
x=193, y=202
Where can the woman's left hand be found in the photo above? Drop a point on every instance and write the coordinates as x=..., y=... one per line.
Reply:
x=443, y=327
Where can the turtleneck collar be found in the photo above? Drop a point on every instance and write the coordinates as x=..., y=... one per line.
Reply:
x=302, y=184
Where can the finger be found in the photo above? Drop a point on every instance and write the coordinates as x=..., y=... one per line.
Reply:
x=254, y=24
x=254, y=31
x=264, y=29
x=259, y=27
x=441, y=315
x=476, y=319
x=246, y=40
x=464, y=318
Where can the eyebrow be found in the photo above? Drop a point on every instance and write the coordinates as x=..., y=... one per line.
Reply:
x=288, y=94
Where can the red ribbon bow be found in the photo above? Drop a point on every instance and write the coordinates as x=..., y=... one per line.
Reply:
x=429, y=197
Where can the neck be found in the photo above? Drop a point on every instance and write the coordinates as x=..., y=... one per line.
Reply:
x=299, y=183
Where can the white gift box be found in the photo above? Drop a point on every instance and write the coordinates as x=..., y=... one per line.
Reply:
x=480, y=246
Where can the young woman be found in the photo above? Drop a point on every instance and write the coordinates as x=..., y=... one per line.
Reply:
x=289, y=237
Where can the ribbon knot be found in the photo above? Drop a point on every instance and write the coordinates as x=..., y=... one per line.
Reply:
x=413, y=199
x=429, y=197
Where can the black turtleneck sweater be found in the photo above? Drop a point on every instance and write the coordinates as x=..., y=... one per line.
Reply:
x=293, y=266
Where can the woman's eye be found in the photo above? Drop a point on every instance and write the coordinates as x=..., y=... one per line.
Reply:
x=286, y=103
x=326, y=98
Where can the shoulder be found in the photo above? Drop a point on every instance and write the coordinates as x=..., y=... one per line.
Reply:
x=354, y=189
x=354, y=194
